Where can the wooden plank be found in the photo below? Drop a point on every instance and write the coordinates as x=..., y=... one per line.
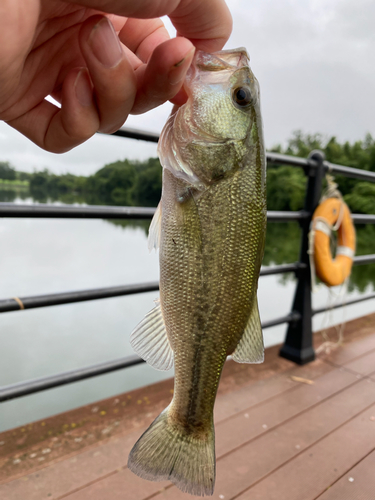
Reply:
x=357, y=484
x=262, y=390
x=65, y=476
x=252, y=462
x=365, y=365
x=69, y=474
x=314, y=470
x=236, y=471
x=255, y=421
x=350, y=351
x=122, y=485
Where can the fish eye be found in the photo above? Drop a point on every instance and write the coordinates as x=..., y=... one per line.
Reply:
x=242, y=97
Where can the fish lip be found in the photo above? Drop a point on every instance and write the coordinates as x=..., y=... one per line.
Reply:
x=225, y=59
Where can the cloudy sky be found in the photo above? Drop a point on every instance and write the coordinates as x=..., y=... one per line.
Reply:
x=315, y=63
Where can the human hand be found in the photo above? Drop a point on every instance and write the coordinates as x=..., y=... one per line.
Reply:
x=69, y=49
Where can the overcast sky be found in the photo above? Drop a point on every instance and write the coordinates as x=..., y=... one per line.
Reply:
x=314, y=60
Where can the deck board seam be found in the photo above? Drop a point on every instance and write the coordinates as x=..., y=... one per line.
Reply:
x=346, y=472
x=350, y=370
x=76, y=490
x=286, y=374
x=88, y=448
x=289, y=419
x=267, y=400
x=124, y=434
x=242, y=444
x=300, y=453
x=328, y=361
x=284, y=463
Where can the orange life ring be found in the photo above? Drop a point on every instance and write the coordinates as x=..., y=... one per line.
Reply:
x=331, y=271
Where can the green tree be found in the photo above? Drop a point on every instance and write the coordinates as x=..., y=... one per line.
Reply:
x=7, y=172
x=360, y=154
x=285, y=188
x=114, y=182
x=147, y=186
x=362, y=198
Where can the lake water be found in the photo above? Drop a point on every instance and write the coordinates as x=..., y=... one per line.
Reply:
x=41, y=256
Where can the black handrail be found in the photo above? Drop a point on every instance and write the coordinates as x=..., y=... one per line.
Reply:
x=140, y=135
x=28, y=387
x=54, y=299
x=45, y=211
x=298, y=345
x=274, y=158
x=19, y=389
x=41, y=210
x=354, y=173
x=344, y=303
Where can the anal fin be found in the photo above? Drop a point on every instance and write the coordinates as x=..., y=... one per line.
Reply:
x=250, y=349
x=150, y=341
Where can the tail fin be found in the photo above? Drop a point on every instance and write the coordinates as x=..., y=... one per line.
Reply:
x=166, y=451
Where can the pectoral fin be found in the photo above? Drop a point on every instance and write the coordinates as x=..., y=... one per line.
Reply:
x=150, y=341
x=155, y=230
x=250, y=348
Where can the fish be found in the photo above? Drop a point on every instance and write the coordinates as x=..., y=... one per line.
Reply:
x=210, y=230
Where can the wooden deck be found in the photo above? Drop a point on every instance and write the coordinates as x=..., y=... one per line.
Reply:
x=277, y=437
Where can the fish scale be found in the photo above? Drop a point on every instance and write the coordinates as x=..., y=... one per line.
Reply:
x=210, y=229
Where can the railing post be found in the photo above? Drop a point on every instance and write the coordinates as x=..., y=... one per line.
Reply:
x=298, y=346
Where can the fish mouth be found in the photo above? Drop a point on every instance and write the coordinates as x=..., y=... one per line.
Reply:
x=221, y=60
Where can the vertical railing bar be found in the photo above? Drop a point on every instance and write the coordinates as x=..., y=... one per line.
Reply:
x=298, y=345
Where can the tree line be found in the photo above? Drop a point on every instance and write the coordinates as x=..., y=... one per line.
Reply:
x=286, y=185
x=139, y=183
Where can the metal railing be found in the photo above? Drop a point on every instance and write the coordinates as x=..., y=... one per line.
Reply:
x=298, y=345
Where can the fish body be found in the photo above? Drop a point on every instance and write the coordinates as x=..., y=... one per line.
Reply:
x=210, y=229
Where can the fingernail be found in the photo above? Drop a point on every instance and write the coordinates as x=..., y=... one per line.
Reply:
x=178, y=71
x=83, y=88
x=105, y=44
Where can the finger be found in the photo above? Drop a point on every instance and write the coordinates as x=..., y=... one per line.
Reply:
x=111, y=73
x=118, y=22
x=141, y=36
x=207, y=23
x=163, y=76
x=17, y=28
x=180, y=98
x=59, y=130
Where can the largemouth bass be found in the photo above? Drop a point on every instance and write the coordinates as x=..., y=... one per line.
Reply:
x=210, y=229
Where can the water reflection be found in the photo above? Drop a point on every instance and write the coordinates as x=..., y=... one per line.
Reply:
x=283, y=246
x=40, y=256
x=9, y=195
